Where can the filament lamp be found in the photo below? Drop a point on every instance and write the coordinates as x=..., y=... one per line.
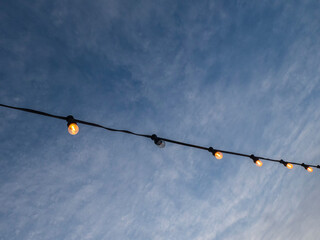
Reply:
x=256, y=160
x=307, y=167
x=73, y=128
x=216, y=153
x=289, y=165
x=286, y=164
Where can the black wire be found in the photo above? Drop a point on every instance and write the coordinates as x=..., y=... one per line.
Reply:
x=111, y=129
x=34, y=111
x=210, y=149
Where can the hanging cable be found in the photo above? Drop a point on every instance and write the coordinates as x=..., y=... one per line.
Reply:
x=73, y=129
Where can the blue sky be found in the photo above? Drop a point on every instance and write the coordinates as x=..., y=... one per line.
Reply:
x=236, y=75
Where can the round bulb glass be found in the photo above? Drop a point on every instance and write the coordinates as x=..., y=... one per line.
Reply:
x=218, y=155
x=310, y=169
x=160, y=143
x=73, y=129
x=259, y=163
x=289, y=165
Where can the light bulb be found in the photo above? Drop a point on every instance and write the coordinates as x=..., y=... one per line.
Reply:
x=309, y=169
x=258, y=163
x=160, y=143
x=218, y=155
x=289, y=165
x=256, y=160
x=73, y=128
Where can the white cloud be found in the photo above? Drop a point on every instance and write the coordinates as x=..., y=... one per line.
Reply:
x=169, y=70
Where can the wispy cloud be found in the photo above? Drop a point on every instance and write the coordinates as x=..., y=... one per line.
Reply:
x=239, y=77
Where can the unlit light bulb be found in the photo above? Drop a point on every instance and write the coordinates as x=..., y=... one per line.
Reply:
x=73, y=128
x=160, y=143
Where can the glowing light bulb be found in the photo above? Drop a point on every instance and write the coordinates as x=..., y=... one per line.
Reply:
x=289, y=165
x=218, y=155
x=258, y=163
x=309, y=169
x=73, y=128
x=256, y=160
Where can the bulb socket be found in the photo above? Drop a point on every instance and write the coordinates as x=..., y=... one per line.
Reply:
x=212, y=150
x=254, y=158
x=70, y=119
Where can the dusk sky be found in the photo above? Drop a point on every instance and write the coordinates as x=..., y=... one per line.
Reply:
x=241, y=76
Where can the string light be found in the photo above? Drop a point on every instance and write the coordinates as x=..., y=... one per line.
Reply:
x=256, y=160
x=73, y=128
x=289, y=165
x=307, y=167
x=259, y=163
x=216, y=153
x=286, y=164
x=160, y=142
